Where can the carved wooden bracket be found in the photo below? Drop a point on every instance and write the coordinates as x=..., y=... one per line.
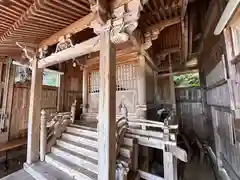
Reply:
x=123, y=22
x=29, y=52
x=152, y=32
x=149, y=37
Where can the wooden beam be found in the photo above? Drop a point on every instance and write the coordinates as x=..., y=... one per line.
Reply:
x=135, y=37
x=73, y=28
x=34, y=113
x=165, y=52
x=163, y=24
x=86, y=47
x=193, y=70
x=107, y=109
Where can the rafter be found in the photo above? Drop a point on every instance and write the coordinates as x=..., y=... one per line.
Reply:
x=163, y=24
x=73, y=28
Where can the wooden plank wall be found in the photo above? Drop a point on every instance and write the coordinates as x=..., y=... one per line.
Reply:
x=72, y=85
x=19, y=117
x=220, y=96
x=190, y=109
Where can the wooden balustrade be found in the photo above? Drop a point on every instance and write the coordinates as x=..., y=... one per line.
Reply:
x=121, y=128
x=53, y=128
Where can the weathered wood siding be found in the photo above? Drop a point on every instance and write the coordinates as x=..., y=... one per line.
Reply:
x=190, y=109
x=19, y=117
x=221, y=92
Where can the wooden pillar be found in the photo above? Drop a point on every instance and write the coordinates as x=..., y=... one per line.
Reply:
x=142, y=98
x=34, y=113
x=156, y=86
x=107, y=108
x=60, y=98
x=142, y=104
x=85, y=90
x=172, y=89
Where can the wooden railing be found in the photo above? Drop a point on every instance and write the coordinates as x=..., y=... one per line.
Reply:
x=121, y=128
x=52, y=128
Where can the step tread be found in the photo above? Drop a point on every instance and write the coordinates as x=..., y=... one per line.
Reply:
x=72, y=168
x=76, y=158
x=78, y=145
x=50, y=172
x=81, y=136
x=80, y=156
x=83, y=127
x=82, y=131
x=21, y=175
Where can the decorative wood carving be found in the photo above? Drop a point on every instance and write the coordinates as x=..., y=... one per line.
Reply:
x=64, y=42
x=124, y=21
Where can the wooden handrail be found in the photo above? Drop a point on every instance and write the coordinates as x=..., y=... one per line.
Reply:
x=49, y=133
x=149, y=123
x=121, y=128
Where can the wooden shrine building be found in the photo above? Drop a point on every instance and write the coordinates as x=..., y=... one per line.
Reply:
x=82, y=82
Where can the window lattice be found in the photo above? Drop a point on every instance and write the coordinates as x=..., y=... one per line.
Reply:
x=126, y=78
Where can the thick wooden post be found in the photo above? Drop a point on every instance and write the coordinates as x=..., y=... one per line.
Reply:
x=85, y=90
x=142, y=101
x=34, y=113
x=107, y=109
x=43, y=135
x=60, y=97
x=142, y=104
x=172, y=90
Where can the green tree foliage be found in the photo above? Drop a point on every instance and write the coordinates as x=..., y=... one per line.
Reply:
x=187, y=80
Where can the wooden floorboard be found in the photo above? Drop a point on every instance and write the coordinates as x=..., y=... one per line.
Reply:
x=19, y=175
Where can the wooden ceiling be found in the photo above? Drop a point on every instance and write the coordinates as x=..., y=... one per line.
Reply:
x=156, y=11
x=31, y=21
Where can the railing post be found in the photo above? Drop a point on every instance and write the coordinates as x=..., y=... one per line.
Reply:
x=169, y=161
x=43, y=135
x=73, y=111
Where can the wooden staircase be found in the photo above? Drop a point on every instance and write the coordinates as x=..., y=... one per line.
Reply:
x=75, y=156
